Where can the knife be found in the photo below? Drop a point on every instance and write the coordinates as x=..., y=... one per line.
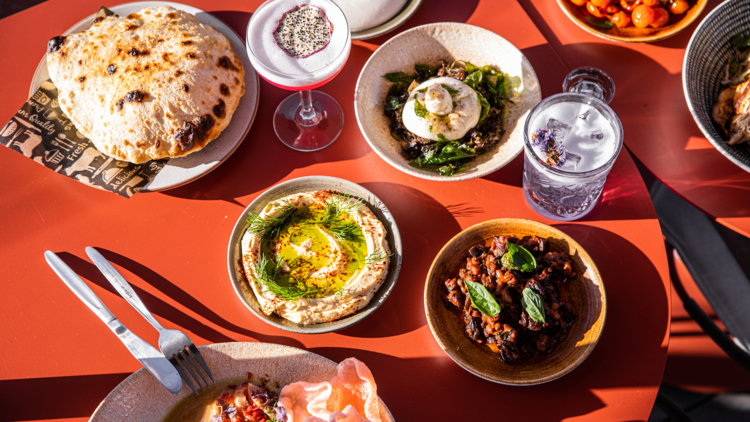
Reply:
x=152, y=359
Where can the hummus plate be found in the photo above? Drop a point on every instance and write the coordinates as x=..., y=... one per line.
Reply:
x=326, y=312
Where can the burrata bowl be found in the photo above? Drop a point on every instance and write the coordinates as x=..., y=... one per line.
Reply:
x=428, y=44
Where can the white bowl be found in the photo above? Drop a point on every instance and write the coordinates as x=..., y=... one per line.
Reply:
x=429, y=44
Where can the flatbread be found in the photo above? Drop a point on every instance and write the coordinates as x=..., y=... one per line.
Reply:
x=154, y=84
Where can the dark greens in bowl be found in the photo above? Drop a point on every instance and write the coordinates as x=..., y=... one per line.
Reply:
x=444, y=156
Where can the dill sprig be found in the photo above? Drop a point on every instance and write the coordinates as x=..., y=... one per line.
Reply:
x=377, y=256
x=263, y=226
x=348, y=231
x=268, y=279
x=339, y=205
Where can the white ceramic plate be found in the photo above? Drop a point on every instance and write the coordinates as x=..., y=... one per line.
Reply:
x=182, y=170
x=401, y=17
x=428, y=44
x=140, y=397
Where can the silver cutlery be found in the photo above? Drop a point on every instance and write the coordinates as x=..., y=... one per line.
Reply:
x=152, y=360
x=174, y=344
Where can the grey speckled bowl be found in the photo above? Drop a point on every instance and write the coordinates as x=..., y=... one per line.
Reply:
x=703, y=69
x=307, y=184
x=140, y=398
x=429, y=44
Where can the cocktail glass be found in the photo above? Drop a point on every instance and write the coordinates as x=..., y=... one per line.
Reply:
x=569, y=193
x=310, y=120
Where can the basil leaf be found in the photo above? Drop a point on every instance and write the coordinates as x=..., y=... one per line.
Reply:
x=470, y=68
x=489, y=70
x=392, y=103
x=518, y=258
x=398, y=77
x=423, y=90
x=424, y=71
x=740, y=41
x=449, y=89
x=482, y=299
x=485, y=108
x=500, y=92
x=533, y=304
x=474, y=79
x=419, y=109
x=599, y=24
x=430, y=128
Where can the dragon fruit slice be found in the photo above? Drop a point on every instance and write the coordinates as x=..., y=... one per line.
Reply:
x=303, y=31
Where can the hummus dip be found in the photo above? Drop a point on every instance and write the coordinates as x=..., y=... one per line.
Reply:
x=323, y=258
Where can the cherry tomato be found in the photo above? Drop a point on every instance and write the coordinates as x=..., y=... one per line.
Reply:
x=643, y=16
x=661, y=17
x=678, y=7
x=611, y=9
x=602, y=4
x=594, y=10
x=651, y=3
x=620, y=19
x=579, y=2
x=628, y=5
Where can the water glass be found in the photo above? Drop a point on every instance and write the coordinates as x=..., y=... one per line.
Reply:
x=593, y=140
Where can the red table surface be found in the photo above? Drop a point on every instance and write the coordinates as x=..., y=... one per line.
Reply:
x=659, y=129
x=59, y=361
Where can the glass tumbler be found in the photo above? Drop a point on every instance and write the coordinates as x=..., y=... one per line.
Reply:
x=571, y=191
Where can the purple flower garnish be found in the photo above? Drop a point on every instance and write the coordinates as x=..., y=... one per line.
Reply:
x=230, y=411
x=543, y=137
x=563, y=154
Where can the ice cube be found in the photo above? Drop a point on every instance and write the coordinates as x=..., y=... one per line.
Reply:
x=561, y=129
x=585, y=114
x=597, y=134
x=571, y=161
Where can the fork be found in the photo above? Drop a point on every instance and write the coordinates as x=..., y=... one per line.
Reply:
x=174, y=344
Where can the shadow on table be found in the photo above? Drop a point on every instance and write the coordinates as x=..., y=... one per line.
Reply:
x=19, y=398
x=417, y=386
x=425, y=226
x=163, y=309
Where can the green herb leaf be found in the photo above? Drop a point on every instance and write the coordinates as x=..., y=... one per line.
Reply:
x=470, y=68
x=377, y=256
x=397, y=96
x=533, y=304
x=489, y=70
x=263, y=226
x=423, y=90
x=454, y=104
x=430, y=128
x=485, y=108
x=424, y=71
x=348, y=231
x=500, y=91
x=474, y=79
x=482, y=299
x=518, y=258
x=419, y=109
x=268, y=279
x=398, y=77
x=600, y=24
x=449, y=89
x=740, y=41
x=733, y=67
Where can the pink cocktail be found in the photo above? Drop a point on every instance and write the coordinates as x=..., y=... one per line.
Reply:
x=300, y=45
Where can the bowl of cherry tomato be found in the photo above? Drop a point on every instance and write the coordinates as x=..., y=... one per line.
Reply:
x=633, y=20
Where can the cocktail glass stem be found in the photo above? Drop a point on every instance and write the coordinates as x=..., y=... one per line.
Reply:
x=307, y=116
x=308, y=121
